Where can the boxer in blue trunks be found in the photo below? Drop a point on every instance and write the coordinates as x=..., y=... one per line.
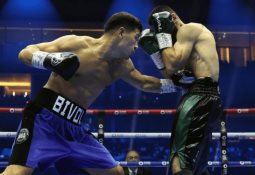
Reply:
x=82, y=66
x=180, y=49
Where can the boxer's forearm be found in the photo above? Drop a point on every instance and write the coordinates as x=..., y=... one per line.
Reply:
x=164, y=73
x=155, y=85
x=150, y=84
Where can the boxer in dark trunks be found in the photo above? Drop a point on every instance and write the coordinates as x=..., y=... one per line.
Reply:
x=178, y=50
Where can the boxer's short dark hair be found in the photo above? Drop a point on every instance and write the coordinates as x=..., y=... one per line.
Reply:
x=123, y=19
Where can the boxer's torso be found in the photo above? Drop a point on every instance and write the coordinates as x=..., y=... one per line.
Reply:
x=203, y=61
x=93, y=75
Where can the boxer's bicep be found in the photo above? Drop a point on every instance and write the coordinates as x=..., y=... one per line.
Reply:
x=65, y=43
x=176, y=57
x=187, y=38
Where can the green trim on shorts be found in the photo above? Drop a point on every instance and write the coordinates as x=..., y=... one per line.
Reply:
x=182, y=127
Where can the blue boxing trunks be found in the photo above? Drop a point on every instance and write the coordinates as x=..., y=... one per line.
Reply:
x=50, y=134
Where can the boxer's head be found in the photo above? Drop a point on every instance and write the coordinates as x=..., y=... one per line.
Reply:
x=125, y=30
x=174, y=18
x=123, y=19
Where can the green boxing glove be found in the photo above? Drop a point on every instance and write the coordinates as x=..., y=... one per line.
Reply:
x=164, y=28
x=149, y=44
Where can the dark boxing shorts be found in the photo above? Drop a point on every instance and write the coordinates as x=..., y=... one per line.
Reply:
x=50, y=133
x=197, y=115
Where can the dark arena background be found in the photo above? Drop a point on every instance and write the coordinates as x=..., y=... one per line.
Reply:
x=24, y=22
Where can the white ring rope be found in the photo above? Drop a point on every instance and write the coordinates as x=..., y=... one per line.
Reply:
x=166, y=164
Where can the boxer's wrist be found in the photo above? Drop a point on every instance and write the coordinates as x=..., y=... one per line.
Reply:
x=167, y=86
x=157, y=60
x=164, y=40
x=38, y=59
x=63, y=63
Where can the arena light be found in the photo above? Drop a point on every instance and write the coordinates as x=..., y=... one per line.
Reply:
x=5, y=83
x=29, y=9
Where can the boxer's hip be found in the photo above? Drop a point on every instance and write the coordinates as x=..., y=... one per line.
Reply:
x=59, y=105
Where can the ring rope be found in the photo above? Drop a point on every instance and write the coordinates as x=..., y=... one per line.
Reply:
x=222, y=135
x=137, y=111
x=166, y=164
x=141, y=135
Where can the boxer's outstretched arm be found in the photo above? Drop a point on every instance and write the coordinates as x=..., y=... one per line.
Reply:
x=147, y=83
x=143, y=82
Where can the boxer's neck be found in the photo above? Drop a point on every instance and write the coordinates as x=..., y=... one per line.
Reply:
x=106, y=48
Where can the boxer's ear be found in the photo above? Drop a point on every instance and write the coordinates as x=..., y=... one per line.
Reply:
x=174, y=16
x=121, y=31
